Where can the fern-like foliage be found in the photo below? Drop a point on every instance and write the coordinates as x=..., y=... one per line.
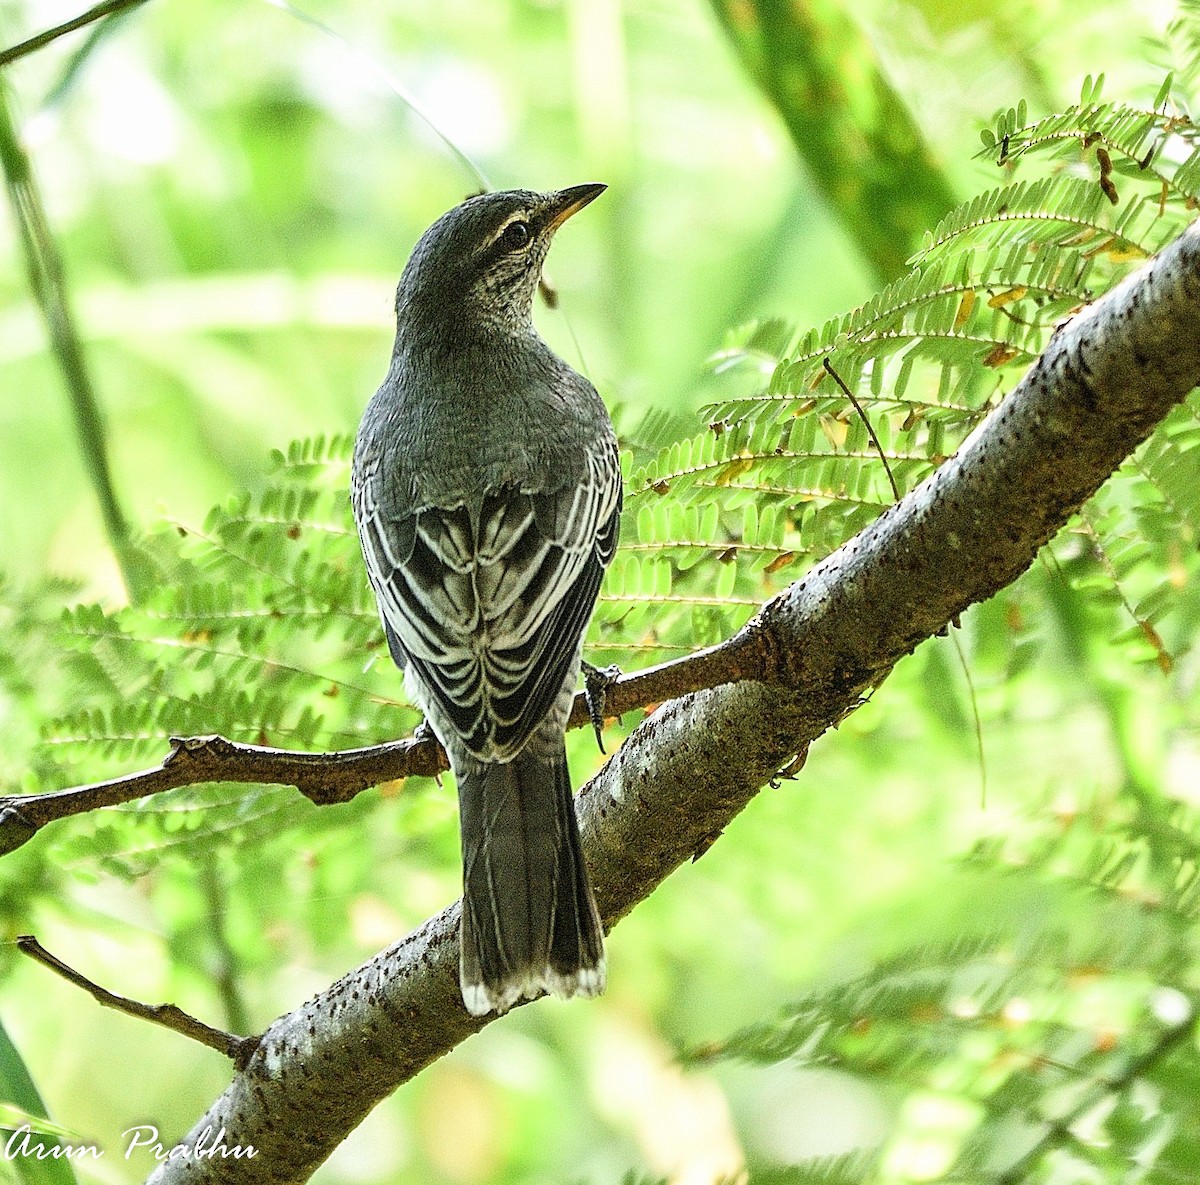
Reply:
x=1059, y=1008
x=260, y=627
x=783, y=474
x=263, y=628
x=851, y=1169
x=1179, y=48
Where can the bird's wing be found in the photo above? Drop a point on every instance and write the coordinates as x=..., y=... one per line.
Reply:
x=488, y=603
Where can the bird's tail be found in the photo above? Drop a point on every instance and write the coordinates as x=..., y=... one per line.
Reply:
x=529, y=922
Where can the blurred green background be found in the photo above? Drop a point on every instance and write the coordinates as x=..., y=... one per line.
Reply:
x=234, y=194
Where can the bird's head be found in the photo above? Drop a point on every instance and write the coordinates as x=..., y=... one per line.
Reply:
x=478, y=265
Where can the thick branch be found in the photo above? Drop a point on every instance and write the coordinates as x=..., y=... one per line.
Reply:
x=799, y=52
x=974, y=526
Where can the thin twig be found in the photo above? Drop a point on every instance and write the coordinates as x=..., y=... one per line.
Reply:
x=391, y=82
x=837, y=378
x=327, y=778
x=97, y=13
x=225, y=977
x=170, y=1016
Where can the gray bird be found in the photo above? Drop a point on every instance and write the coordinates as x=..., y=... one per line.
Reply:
x=487, y=492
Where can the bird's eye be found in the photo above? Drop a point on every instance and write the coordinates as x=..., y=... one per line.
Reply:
x=515, y=236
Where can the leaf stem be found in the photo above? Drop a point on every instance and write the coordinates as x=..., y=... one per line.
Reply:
x=96, y=13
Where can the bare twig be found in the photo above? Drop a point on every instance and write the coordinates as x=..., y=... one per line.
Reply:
x=374, y=66
x=327, y=778
x=322, y=777
x=862, y=415
x=170, y=1016
x=96, y=13
x=966, y=670
x=225, y=976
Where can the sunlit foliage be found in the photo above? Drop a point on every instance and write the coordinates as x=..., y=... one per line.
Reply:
x=859, y=1001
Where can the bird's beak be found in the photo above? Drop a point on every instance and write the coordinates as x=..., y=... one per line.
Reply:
x=566, y=202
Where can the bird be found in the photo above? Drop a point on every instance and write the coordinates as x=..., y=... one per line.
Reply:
x=486, y=489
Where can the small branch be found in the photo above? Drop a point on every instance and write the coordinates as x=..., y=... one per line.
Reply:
x=328, y=778
x=170, y=1016
x=98, y=13
x=322, y=777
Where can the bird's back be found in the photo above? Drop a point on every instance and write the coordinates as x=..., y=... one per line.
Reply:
x=487, y=493
x=459, y=426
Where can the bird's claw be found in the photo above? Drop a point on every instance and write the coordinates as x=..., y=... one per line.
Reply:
x=596, y=682
x=423, y=734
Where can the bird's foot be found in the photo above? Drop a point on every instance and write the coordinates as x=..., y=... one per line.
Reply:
x=423, y=734
x=596, y=682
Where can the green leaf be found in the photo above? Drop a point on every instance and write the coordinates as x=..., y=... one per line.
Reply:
x=20, y=1106
x=1164, y=91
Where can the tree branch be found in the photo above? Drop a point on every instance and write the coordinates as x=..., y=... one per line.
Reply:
x=1104, y=381
x=170, y=1016
x=327, y=778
